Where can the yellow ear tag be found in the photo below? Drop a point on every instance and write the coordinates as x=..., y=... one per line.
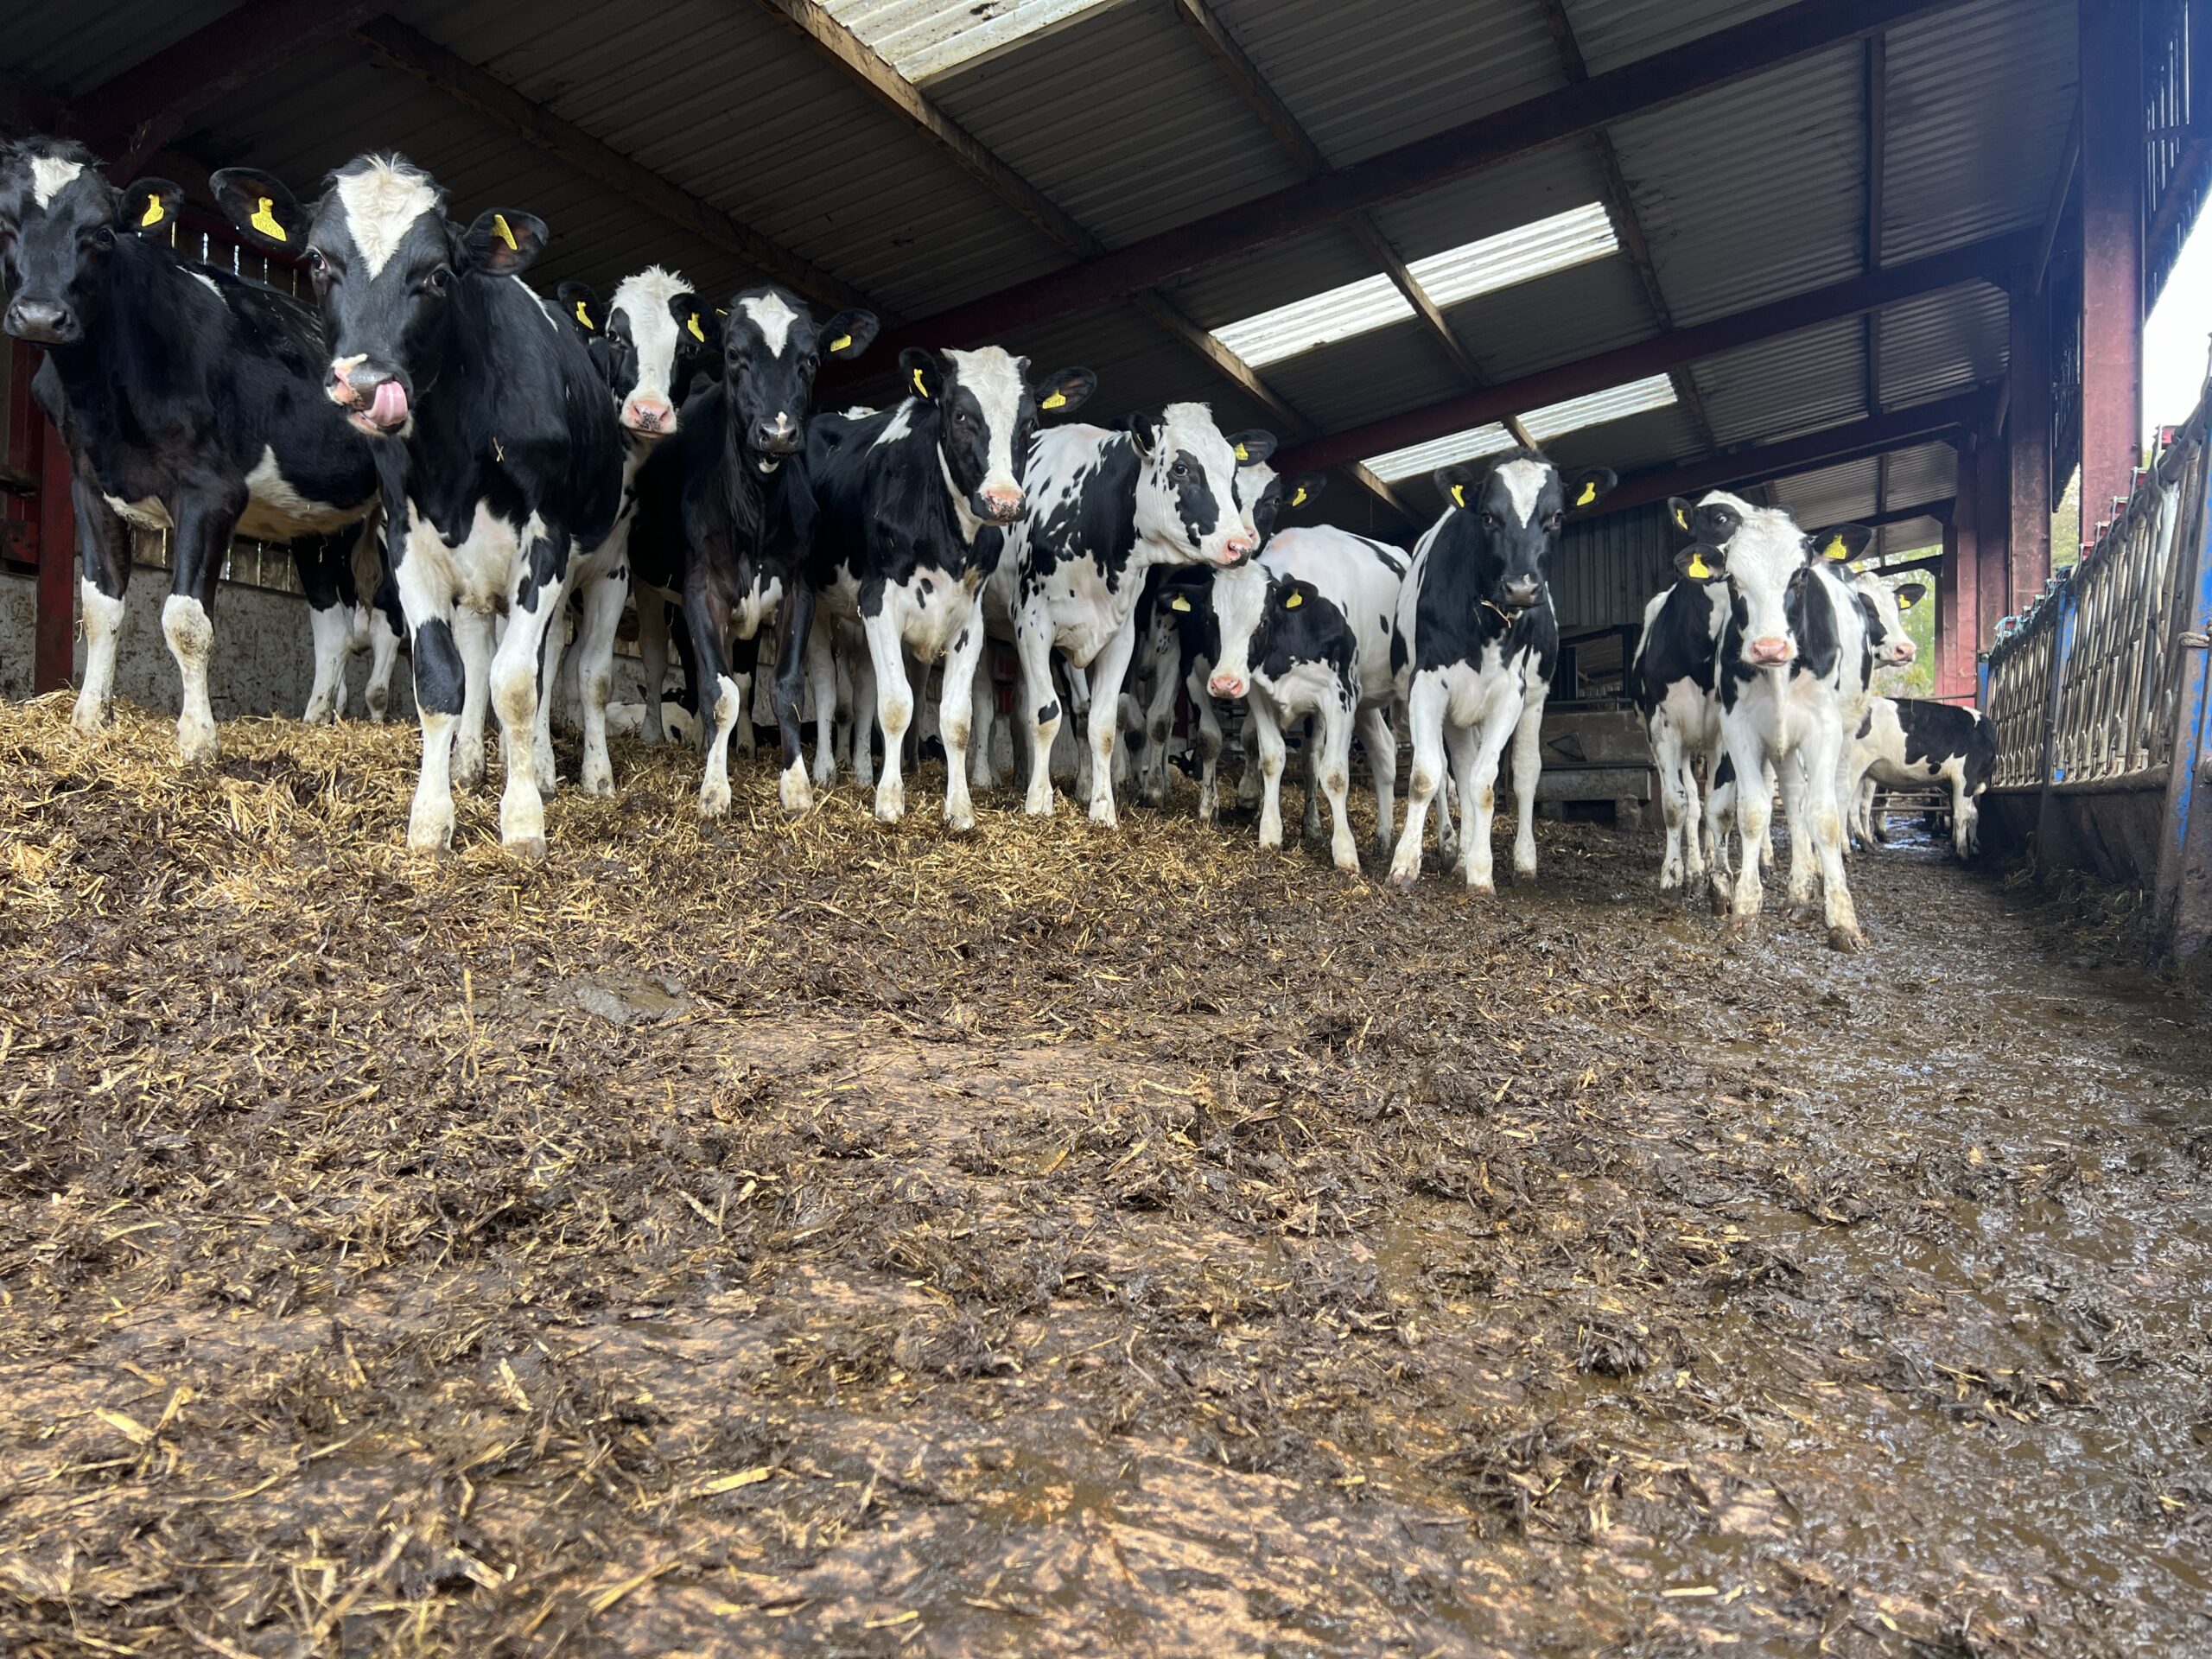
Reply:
x=1293, y=602
x=1836, y=549
x=1458, y=495
x=1059, y=400
x=841, y=342
x=920, y=390
x=265, y=222
x=1299, y=501
x=1699, y=569
x=1179, y=603
x=500, y=229
x=697, y=332
x=1682, y=519
x=583, y=317
x=154, y=214
x=1242, y=453
x=1589, y=494
x=1907, y=604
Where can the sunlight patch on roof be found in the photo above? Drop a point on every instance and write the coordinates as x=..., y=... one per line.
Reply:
x=1419, y=460
x=1574, y=237
x=923, y=38
x=1614, y=404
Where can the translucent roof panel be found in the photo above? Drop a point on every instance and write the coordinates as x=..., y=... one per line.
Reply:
x=1520, y=255
x=1614, y=404
x=922, y=38
x=1423, y=459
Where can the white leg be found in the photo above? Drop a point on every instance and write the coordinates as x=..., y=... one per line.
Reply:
x=714, y=786
x=1754, y=808
x=384, y=659
x=1425, y=725
x=1667, y=753
x=1475, y=753
x=440, y=674
x=594, y=657
x=332, y=630
x=1040, y=703
x=1107, y=671
x=1207, y=719
x=558, y=664
x=747, y=739
x=103, y=628
x=191, y=635
x=822, y=687
x=1310, y=824
x=894, y=708
x=984, y=710
x=955, y=717
x=1828, y=835
x=1335, y=746
x=1381, y=742
x=1265, y=727
x=515, y=679
x=1528, y=767
x=1962, y=818
x=1798, y=790
x=471, y=633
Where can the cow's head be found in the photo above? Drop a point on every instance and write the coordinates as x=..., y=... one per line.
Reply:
x=1259, y=611
x=771, y=350
x=1187, y=479
x=1887, y=642
x=387, y=267
x=648, y=340
x=1505, y=522
x=1265, y=493
x=59, y=222
x=989, y=407
x=1766, y=560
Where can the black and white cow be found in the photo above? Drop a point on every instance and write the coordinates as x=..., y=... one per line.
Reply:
x=727, y=517
x=1793, y=652
x=1476, y=645
x=1672, y=679
x=1910, y=743
x=190, y=400
x=648, y=339
x=494, y=438
x=916, y=501
x=1305, y=629
x=1104, y=507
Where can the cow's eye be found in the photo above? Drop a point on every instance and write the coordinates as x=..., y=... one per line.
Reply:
x=1489, y=520
x=811, y=364
x=437, y=281
x=1179, y=469
x=317, y=265
x=1552, y=524
x=103, y=238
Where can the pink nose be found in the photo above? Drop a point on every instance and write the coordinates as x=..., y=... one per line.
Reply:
x=1225, y=685
x=1771, y=652
x=1002, y=504
x=648, y=414
x=1905, y=652
x=1239, y=547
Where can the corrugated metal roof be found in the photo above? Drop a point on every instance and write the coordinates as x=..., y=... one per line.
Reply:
x=922, y=38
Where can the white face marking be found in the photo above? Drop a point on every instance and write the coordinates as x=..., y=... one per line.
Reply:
x=994, y=378
x=1524, y=482
x=381, y=203
x=773, y=318
x=1766, y=550
x=1189, y=429
x=50, y=176
x=647, y=301
x=1239, y=596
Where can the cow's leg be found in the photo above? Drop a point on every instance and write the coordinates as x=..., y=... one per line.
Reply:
x=1425, y=725
x=472, y=633
x=1207, y=721
x=536, y=604
x=1823, y=743
x=1265, y=725
x=1333, y=742
x=316, y=561
x=1476, y=752
x=706, y=619
x=653, y=660
x=984, y=710
x=1107, y=671
x=955, y=716
x=794, y=621
x=744, y=672
x=562, y=692
x=821, y=687
x=555, y=660
x=1673, y=801
x=1963, y=815
x=1754, y=810
x=1310, y=746
x=204, y=521
x=1380, y=741
x=441, y=683
x=595, y=654
x=894, y=708
x=859, y=669
x=1159, y=727
x=1797, y=795
x=1693, y=841
x=103, y=553
x=1528, y=767
x=1040, y=702
x=387, y=628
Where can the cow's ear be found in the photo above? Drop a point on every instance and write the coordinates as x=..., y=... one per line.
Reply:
x=848, y=334
x=1585, y=488
x=582, y=307
x=1296, y=593
x=1065, y=392
x=1145, y=431
x=1911, y=595
x=1702, y=563
x=923, y=375
x=150, y=206
x=1843, y=542
x=1303, y=488
x=1252, y=448
x=503, y=242
x=1680, y=511
x=1453, y=483
x=694, y=321
x=260, y=208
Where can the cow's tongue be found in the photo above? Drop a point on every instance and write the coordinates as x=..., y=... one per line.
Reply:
x=390, y=406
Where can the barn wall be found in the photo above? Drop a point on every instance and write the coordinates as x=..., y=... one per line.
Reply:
x=1607, y=567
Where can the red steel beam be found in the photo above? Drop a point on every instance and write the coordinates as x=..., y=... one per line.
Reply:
x=130, y=116
x=2112, y=254
x=1988, y=260
x=1712, y=60
x=55, y=628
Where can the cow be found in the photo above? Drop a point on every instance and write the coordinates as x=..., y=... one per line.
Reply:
x=648, y=339
x=1104, y=508
x=915, y=502
x=189, y=400
x=1671, y=678
x=1475, y=644
x=1793, y=652
x=494, y=437
x=1305, y=629
x=727, y=518
x=1909, y=743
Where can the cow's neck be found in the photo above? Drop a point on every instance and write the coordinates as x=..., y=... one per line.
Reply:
x=128, y=350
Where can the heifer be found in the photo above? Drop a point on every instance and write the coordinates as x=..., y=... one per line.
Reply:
x=727, y=518
x=190, y=400
x=648, y=340
x=494, y=439
x=1305, y=629
x=916, y=502
x=1475, y=644
x=1908, y=743
x=1104, y=508
x=1792, y=651
x=1671, y=677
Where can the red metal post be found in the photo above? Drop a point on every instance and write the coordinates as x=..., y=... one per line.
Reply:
x=2027, y=432
x=56, y=627
x=1993, y=501
x=2112, y=254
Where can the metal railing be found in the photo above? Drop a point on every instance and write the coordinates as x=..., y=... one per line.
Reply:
x=2081, y=690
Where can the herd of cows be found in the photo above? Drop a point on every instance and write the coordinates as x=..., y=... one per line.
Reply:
x=509, y=460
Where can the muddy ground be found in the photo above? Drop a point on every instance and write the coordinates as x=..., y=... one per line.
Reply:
x=836, y=1239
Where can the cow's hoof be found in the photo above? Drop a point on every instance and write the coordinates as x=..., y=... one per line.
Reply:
x=1742, y=927
x=195, y=744
x=713, y=800
x=1802, y=910
x=1346, y=861
x=1845, y=939
x=1039, y=806
x=960, y=821
x=429, y=833
x=88, y=717
x=467, y=769
x=1102, y=812
x=529, y=847
x=793, y=790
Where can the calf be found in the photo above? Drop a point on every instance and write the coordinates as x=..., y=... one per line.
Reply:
x=726, y=515
x=1908, y=743
x=648, y=340
x=1475, y=644
x=916, y=501
x=1305, y=629
x=1104, y=507
x=494, y=439
x=1793, y=649
x=189, y=400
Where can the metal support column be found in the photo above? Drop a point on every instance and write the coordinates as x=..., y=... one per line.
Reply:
x=2111, y=254
x=55, y=630
x=1993, y=497
x=2027, y=430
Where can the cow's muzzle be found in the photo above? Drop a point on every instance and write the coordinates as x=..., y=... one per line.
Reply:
x=1520, y=595
x=43, y=322
x=373, y=398
x=1769, y=653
